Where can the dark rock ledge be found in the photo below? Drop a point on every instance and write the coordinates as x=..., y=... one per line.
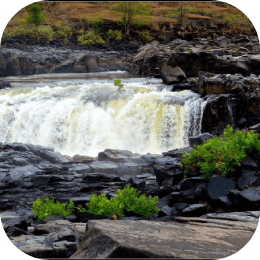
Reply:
x=191, y=206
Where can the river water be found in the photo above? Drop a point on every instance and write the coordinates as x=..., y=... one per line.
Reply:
x=86, y=114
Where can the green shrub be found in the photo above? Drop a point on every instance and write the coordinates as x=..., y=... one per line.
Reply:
x=117, y=35
x=48, y=208
x=188, y=50
x=146, y=35
x=118, y=83
x=209, y=38
x=31, y=31
x=222, y=155
x=90, y=38
x=63, y=31
x=127, y=199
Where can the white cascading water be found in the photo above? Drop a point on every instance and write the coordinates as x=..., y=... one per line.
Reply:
x=88, y=118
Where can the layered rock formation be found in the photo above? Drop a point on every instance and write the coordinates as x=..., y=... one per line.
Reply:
x=16, y=62
x=29, y=172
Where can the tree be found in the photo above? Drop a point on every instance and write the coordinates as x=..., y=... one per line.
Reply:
x=35, y=16
x=130, y=10
x=179, y=13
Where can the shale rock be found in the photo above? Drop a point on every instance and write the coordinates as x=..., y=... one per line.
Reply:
x=192, y=198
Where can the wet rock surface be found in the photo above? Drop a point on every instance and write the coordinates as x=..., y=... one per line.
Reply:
x=64, y=179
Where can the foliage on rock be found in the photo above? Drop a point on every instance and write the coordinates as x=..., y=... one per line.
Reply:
x=146, y=35
x=118, y=83
x=47, y=208
x=222, y=155
x=114, y=34
x=90, y=38
x=127, y=199
x=63, y=31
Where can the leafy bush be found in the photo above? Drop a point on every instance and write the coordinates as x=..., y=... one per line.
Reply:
x=118, y=83
x=48, y=208
x=222, y=155
x=63, y=31
x=127, y=199
x=91, y=37
x=35, y=15
x=117, y=35
x=31, y=31
x=209, y=38
x=146, y=35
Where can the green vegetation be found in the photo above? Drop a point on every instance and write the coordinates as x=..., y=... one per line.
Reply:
x=35, y=16
x=96, y=21
x=209, y=38
x=179, y=13
x=222, y=155
x=234, y=21
x=117, y=35
x=118, y=83
x=48, y=208
x=63, y=31
x=146, y=35
x=128, y=199
x=31, y=31
x=133, y=13
x=90, y=38
x=188, y=50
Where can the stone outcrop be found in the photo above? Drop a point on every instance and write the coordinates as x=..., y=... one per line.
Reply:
x=14, y=62
x=229, y=205
x=5, y=84
x=200, y=55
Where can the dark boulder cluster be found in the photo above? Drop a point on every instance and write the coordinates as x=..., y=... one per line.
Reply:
x=222, y=55
x=29, y=172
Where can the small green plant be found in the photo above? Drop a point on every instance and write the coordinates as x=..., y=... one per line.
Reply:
x=117, y=35
x=90, y=38
x=146, y=35
x=35, y=16
x=118, y=83
x=47, y=208
x=222, y=155
x=209, y=38
x=128, y=199
x=188, y=50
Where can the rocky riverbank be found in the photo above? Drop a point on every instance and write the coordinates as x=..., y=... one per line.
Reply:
x=29, y=172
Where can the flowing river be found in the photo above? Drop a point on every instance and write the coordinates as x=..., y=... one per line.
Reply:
x=88, y=115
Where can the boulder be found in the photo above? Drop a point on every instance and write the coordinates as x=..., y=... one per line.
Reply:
x=5, y=84
x=194, y=210
x=172, y=75
x=199, y=139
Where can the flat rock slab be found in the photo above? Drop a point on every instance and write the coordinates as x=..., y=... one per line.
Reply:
x=143, y=239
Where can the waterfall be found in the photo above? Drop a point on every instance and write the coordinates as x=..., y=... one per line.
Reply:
x=230, y=112
x=88, y=118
